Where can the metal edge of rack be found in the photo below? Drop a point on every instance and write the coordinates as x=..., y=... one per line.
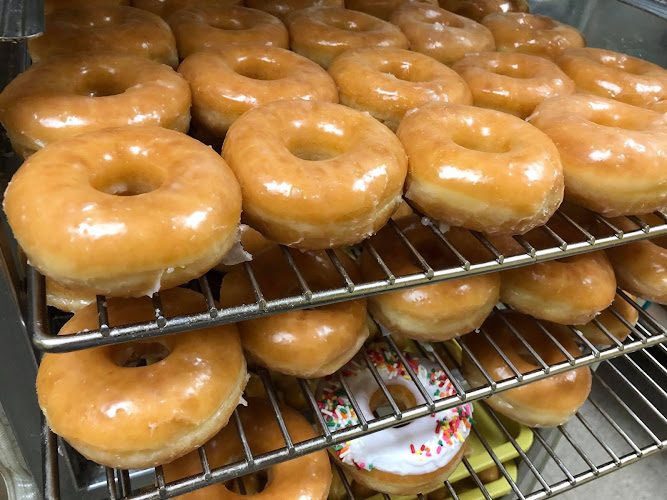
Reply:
x=118, y=334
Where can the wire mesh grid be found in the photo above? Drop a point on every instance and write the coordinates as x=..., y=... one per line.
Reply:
x=604, y=235
x=647, y=333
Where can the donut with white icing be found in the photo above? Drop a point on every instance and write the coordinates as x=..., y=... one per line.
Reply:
x=416, y=457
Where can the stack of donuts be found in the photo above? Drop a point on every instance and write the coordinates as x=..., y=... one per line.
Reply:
x=166, y=138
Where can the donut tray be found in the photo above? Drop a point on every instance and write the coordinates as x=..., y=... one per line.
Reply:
x=646, y=432
x=578, y=240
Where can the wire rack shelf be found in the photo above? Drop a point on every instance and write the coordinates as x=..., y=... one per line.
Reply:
x=606, y=234
x=647, y=333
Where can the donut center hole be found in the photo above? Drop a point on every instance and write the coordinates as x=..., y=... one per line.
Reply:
x=250, y=484
x=347, y=25
x=609, y=119
x=141, y=354
x=260, y=69
x=227, y=23
x=512, y=71
x=316, y=151
x=401, y=70
x=128, y=180
x=481, y=143
x=101, y=84
x=402, y=396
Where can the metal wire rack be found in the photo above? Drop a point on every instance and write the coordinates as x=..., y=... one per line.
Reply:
x=648, y=332
x=578, y=240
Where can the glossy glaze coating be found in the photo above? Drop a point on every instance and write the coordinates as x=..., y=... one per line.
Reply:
x=65, y=299
x=440, y=34
x=480, y=169
x=479, y=9
x=512, y=83
x=382, y=9
x=120, y=29
x=310, y=343
x=53, y=5
x=660, y=107
x=614, y=155
x=322, y=34
x=211, y=26
x=611, y=323
x=436, y=312
x=641, y=267
x=229, y=81
x=165, y=8
x=545, y=403
x=616, y=76
x=70, y=95
x=388, y=82
x=304, y=478
x=532, y=34
x=143, y=416
x=281, y=8
x=315, y=174
x=569, y=291
x=95, y=211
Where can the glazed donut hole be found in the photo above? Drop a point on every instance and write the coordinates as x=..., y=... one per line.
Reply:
x=260, y=68
x=330, y=143
x=139, y=354
x=125, y=177
x=493, y=141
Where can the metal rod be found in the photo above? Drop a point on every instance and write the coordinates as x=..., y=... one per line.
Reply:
x=614, y=425
x=562, y=244
x=159, y=478
x=477, y=364
x=517, y=373
x=600, y=441
x=648, y=378
x=475, y=478
x=50, y=473
x=243, y=438
x=617, y=232
x=353, y=401
x=406, y=242
x=256, y=290
x=523, y=341
x=584, y=340
x=273, y=399
x=303, y=284
x=111, y=483
x=643, y=314
x=383, y=387
x=499, y=257
x=205, y=466
x=205, y=288
x=102, y=314
x=427, y=347
x=557, y=460
x=349, y=284
x=578, y=449
x=642, y=225
x=159, y=310
x=463, y=262
x=530, y=249
x=343, y=480
x=654, y=361
x=379, y=261
x=589, y=237
x=315, y=409
x=451, y=490
x=639, y=394
x=608, y=334
x=124, y=482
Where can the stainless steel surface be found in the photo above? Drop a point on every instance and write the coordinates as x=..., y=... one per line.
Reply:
x=21, y=19
x=647, y=333
x=609, y=236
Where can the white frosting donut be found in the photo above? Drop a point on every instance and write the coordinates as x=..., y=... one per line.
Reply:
x=419, y=447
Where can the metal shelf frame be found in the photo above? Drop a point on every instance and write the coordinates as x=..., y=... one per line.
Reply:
x=606, y=235
x=647, y=333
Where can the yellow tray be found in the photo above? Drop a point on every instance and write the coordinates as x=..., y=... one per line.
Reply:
x=495, y=489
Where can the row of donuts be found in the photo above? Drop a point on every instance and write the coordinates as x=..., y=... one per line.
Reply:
x=168, y=410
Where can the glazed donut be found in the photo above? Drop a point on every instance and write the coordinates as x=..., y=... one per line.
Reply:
x=281, y=8
x=614, y=155
x=435, y=312
x=512, y=83
x=532, y=34
x=544, y=403
x=439, y=34
x=614, y=75
x=128, y=416
x=322, y=34
x=403, y=460
x=382, y=9
x=641, y=267
x=388, y=82
x=231, y=80
x=69, y=95
x=120, y=29
x=611, y=323
x=507, y=180
x=305, y=478
x=479, y=9
x=309, y=343
x=65, y=299
x=93, y=212
x=211, y=26
x=165, y=8
x=660, y=107
x=569, y=291
x=54, y=5
x=315, y=174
